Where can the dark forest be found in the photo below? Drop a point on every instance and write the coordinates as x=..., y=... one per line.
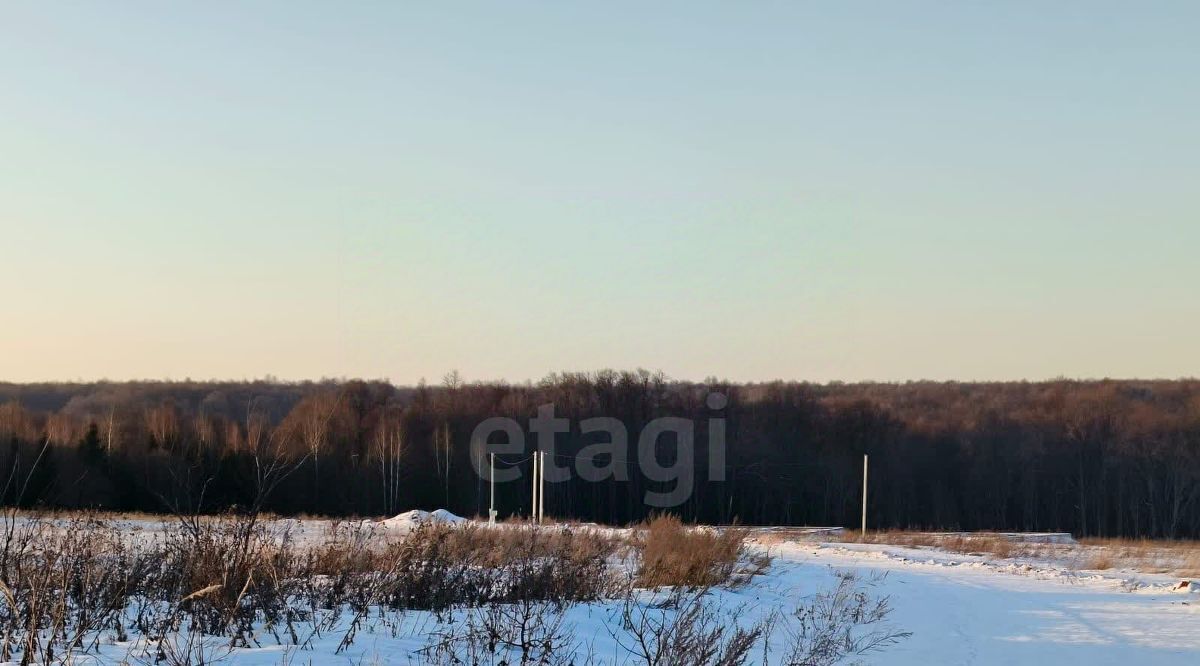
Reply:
x=1095, y=458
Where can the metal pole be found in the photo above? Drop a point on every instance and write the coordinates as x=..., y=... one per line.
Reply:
x=864, y=511
x=542, y=488
x=492, y=489
x=533, y=496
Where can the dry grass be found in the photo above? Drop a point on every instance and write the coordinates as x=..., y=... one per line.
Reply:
x=1179, y=558
x=109, y=516
x=1099, y=562
x=967, y=544
x=674, y=555
x=69, y=578
x=492, y=593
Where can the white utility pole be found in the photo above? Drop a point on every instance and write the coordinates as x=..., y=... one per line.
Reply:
x=864, y=513
x=534, y=496
x=492, y=490
x=542, y=488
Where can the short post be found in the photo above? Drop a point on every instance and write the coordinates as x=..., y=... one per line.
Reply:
x=864, y=511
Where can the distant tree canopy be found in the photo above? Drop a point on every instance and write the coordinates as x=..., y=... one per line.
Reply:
x=1103, y=458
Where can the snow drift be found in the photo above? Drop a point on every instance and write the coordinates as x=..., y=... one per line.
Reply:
x=410, y=519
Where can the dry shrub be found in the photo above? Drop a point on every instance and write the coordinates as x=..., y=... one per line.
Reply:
x=1100, y=561
x=686, y=629
x=198, y=590
x=436, y=566
x=672, y=554
x=60, y=584
x=845, y=622
x=235, y=577
x=534, y=631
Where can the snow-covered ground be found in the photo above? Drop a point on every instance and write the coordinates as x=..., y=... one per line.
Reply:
x=411, y=519
x=965, y=609
x=959, y=608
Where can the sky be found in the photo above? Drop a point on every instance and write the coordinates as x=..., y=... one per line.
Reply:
x=752, y=191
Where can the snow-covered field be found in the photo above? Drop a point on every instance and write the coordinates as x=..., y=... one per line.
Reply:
x=959, y=608
x=965, y=609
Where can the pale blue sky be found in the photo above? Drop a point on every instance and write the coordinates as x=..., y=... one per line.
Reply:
x=839, y=190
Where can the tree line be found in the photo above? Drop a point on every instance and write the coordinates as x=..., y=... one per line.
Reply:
x=1095, y=458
